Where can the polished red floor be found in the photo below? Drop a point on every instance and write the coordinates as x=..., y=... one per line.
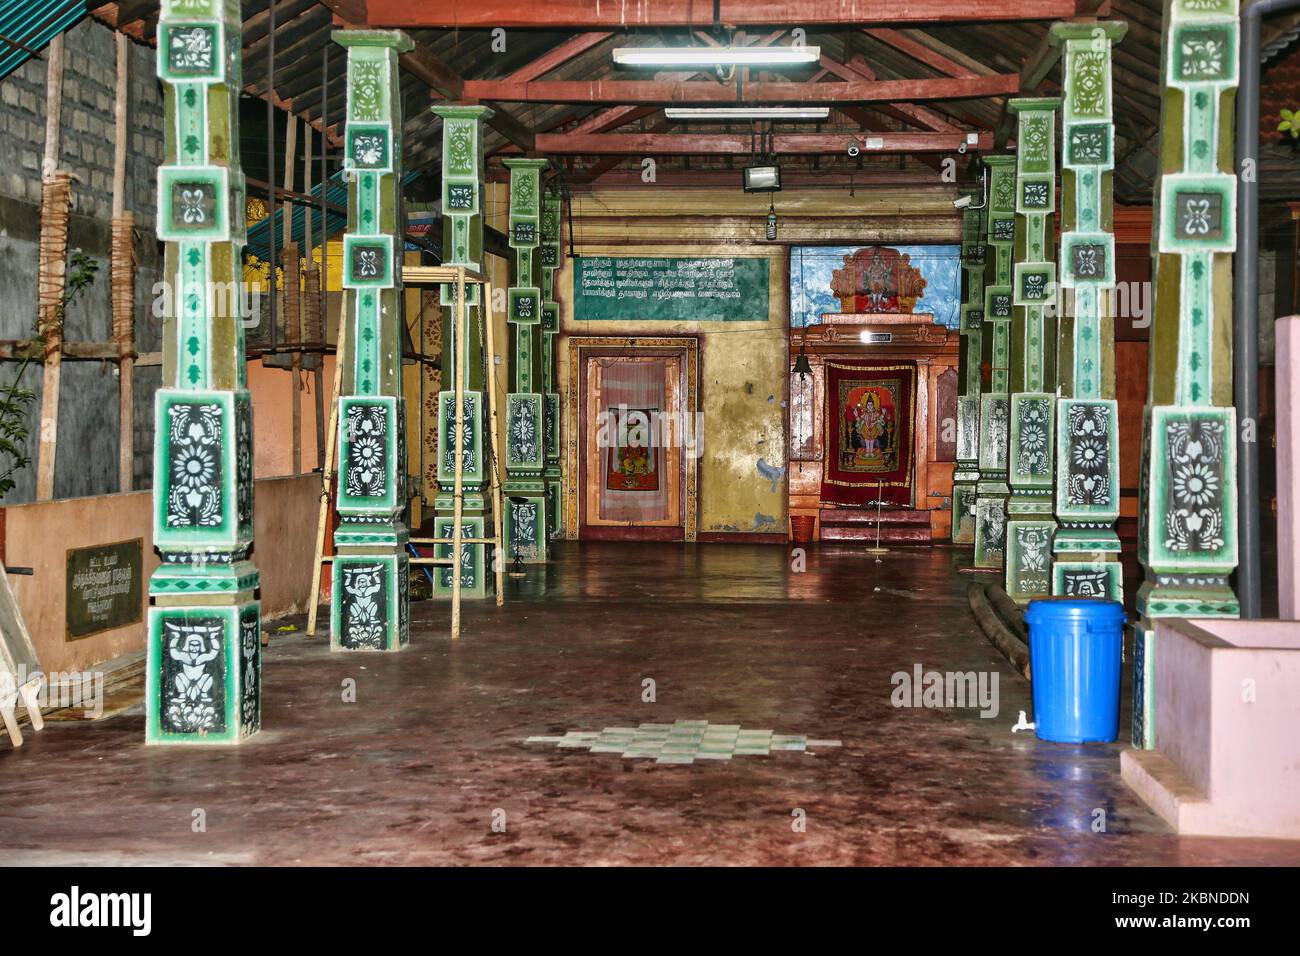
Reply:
x=432, y=752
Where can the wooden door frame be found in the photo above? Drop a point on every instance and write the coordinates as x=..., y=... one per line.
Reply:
x=933, y=348
x=586, y=346
x=921, y=423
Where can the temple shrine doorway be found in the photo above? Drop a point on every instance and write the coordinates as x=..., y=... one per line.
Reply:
x=867, y=425
x=638, y=438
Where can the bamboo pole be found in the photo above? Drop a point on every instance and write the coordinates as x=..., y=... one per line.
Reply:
x=55, y=200
x=327, y=482
x=123, y=278
x=459, y=346
x=53, y=106
x=292, y=291
x=309, y=320
x=498, y=518
x=290, y=148
x=323, y=298
x=293, y=327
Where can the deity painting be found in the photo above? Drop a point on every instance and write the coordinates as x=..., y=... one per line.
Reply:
x=916, y=280
x=869, y=428
x=877, y=280
x=633, y=457
x=870, y=407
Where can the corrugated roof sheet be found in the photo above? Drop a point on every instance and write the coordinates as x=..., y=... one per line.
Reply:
x=27, y=26
x=336, y=195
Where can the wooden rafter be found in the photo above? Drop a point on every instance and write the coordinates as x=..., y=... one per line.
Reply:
x=609, y=162
x=128, y=11
x=623, y=92
x=614, y=117
x=443, y=80
x=827, y=178
x=1039, y=63
x=741, y=144
x=597, y=14
x=557, y=55
x=909, y=112
x=921, y=52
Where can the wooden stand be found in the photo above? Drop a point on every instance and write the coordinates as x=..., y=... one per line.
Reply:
x=327, y=482
x=9, y=710
x=438, y=275
x=21, y=675
x=429, y=275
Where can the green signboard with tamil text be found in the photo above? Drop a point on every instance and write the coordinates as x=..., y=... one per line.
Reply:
x=651, y=289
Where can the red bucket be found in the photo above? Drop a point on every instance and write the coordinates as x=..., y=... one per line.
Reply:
x=802, y=528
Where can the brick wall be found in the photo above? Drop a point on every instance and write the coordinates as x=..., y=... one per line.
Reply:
x=89, y=89
x=88, y=405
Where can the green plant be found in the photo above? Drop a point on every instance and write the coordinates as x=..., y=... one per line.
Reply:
x=1290, y=123
x=14, y=399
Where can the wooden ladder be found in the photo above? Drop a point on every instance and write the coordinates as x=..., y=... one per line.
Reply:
x=426, y=275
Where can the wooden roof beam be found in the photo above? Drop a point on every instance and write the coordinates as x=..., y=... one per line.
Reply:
x=331, y=133
x=595, y=14
x=440, y=77
x=912, y=113
x=604, y=120
x=922, y=52
x=128, y=11
x=790, y=178
x=558, y=55
x=626, y=92
x=505, y=123
x=741, y=144
x=612, y=160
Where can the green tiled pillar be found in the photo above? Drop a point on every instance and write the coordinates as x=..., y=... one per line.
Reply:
x=462, y=243
x=369, y=600
x=551, y=261
x=1087, y=414
x=966, y=474
x=203, y=672
x=1033, y=354
x=1187, y=533
x=525, y=489
x=995, y=351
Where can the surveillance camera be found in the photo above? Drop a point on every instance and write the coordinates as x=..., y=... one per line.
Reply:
x=854, y=148
x=961, y=202
x=961, y=148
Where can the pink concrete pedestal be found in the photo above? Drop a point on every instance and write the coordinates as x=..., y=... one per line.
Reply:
x=1227, y=752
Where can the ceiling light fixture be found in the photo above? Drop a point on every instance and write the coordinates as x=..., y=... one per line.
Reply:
x=762, y=179
x=702, y=56
x=748, y=112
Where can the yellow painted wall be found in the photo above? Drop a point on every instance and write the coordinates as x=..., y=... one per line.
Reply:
x=744, y=366
x=742, y=378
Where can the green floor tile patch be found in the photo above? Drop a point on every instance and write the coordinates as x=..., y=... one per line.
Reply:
x=684, y=742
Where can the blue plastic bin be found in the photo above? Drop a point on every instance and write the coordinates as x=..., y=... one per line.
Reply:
x=1075, y=649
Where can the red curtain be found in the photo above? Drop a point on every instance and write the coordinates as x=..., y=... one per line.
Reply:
x=869, y=422
x=632, y=400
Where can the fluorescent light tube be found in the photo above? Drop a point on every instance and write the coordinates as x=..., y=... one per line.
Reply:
x=716, y=55
x=747, y=112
